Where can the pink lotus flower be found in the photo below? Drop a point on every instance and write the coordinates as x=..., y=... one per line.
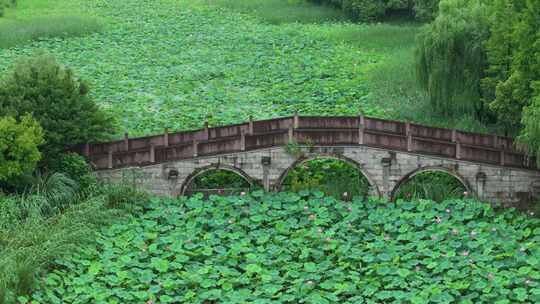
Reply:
x=466, y=253
x=465, y=193
x=310, y=282
x=528, y=282
x=345, y=194
x=494, y=229
x=455, y=231
x=349, y=209
x=448, y=210
x=242, y=193
x=149, y=302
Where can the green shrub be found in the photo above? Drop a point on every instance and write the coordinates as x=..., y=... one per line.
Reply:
x=5, y=4
x=365, y=10
x=122, y=196
x=333, y=177
x=371, y=10
x=58, y=100
x=426, y=9
x=19, y=143
x=76, y=168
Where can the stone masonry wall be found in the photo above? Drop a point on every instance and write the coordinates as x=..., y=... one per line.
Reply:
x=385, y=170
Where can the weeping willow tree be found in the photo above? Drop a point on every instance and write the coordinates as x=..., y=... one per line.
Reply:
x=530, y=134
x=451, y=57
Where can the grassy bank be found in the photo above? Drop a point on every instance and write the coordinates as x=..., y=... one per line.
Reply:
x=33, y=20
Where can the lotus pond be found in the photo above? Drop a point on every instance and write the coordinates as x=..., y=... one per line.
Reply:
x=304, y=248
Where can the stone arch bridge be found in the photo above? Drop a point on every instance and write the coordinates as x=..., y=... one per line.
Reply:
x=387, y=152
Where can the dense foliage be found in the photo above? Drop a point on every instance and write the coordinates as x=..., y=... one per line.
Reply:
x=451, y=58
x=513, y=51
x=223, y=182
x=369, y=10
x=531, y=131
x=334, y=177
x=268, y=248
x=432, y=185
x=51, y=220
x=57, y=99
x=5, y=4
x=76, y=168
x=19, y=142
x=481, y=58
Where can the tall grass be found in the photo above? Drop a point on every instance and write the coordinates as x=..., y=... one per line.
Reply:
x=283, y=11
x=380, y=37
x=50, y=221
x=22, y=31
x=432, y=185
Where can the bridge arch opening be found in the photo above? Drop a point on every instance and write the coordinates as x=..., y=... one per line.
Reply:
x=219, y=180
x=336, y=176
x=433, y=183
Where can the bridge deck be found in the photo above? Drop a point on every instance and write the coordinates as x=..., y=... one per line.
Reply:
x=307, y=130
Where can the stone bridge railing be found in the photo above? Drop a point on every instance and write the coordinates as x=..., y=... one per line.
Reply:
x=307, y=130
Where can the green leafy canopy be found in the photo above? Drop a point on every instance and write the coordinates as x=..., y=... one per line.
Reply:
x=19, y=143
x=57, y=99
